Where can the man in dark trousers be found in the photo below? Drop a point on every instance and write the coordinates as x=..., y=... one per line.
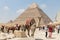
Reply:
x=58, y=28
x=46, y=28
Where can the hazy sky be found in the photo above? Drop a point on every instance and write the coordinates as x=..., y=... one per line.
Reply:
x=11, y=9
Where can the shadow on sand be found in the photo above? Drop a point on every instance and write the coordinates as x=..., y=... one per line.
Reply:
x=38, y=39
x=51, y=38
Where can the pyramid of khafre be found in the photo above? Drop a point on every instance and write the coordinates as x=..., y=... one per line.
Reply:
x=33, y=11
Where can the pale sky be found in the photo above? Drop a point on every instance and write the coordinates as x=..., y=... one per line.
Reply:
x=11, y=9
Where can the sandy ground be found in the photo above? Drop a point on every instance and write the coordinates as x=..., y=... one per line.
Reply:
x=39, y=35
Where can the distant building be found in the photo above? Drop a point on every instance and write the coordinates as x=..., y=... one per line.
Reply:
x=57, y=17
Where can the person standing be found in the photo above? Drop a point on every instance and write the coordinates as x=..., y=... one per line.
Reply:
x=58, y=28
x=50, y=31
x=46, y=29
x=2, y=28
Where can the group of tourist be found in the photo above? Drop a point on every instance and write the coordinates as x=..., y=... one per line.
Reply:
x=49, y=29
x=31, y=25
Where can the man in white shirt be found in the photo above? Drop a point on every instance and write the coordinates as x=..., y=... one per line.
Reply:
x=46, y=30
x=58, y=28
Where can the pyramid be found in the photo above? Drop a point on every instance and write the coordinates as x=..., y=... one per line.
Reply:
x=33, y=11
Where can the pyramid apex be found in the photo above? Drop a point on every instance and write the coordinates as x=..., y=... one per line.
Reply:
x=33, y=5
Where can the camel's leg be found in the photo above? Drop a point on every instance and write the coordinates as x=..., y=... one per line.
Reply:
x=28, y=32
x=8, y=31
x=33, y=31
x=13, y=31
